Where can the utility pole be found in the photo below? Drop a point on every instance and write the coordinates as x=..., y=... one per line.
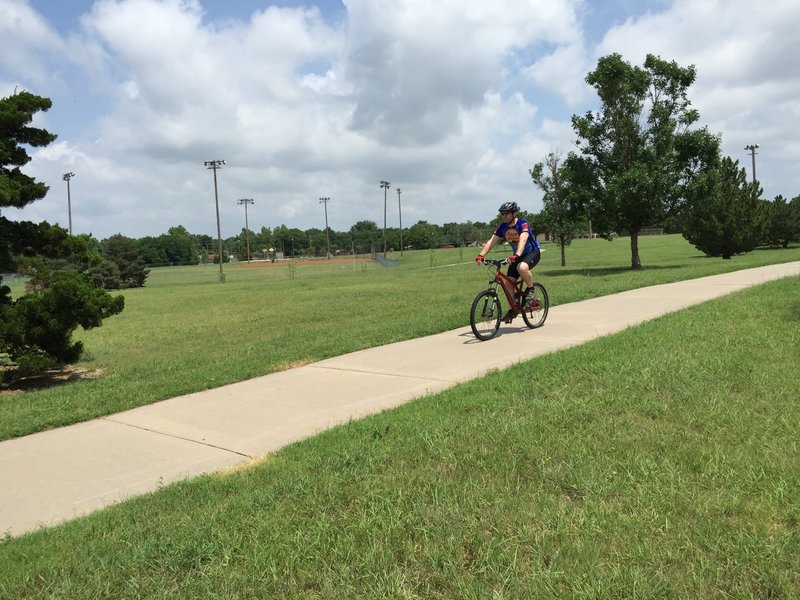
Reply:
x=246, y=201
x=752, y=148
x=327, y=234
x=217, y=164
x=67, y=177
x=385, y=185
x=400, y=211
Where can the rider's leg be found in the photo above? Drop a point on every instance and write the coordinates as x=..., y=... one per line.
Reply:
x=525, y=273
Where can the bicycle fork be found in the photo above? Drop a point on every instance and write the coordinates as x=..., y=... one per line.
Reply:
x=490, y=303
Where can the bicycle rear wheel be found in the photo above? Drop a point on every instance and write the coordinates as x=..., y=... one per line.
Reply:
x=484, y=316
x=535, y=306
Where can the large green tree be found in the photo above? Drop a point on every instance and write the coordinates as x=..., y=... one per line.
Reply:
x=640, y=144
x=725, y=215
x=35, y=329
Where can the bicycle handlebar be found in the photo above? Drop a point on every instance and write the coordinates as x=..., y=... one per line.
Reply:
x=494, y=262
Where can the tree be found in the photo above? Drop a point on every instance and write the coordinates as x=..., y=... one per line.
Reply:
x=35, y=329
x=364, y=234
x=124, y=253
x=639, y=145
x=784, y=222
x=562, y=215
x=16, y=114
x=262, y=242
x=424, y=235
x=725, y=216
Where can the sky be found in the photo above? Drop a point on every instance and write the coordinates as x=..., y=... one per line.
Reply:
x=451, y=101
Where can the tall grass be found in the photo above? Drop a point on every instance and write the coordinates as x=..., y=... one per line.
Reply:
x=185, y=332
x=661, y=462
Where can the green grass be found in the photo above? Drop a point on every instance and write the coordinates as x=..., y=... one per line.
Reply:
x=184, y=332
x=661, y=462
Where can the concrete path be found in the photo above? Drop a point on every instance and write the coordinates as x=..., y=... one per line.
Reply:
x=56, y=475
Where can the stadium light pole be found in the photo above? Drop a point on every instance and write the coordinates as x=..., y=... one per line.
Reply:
x=752, y=148
x=67, y=177
x=214, y=165
x=385, y=185
x=400, y=212
x=245, y=202
x=327, y=233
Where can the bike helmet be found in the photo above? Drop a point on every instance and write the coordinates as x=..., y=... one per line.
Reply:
x=508, y=207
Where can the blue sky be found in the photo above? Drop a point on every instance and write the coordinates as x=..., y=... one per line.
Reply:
x=452, y=101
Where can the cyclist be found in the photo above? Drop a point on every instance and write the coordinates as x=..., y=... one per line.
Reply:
x=525, y=249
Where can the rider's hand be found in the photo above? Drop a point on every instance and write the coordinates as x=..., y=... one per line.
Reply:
x=479, y=259
x=513, y=258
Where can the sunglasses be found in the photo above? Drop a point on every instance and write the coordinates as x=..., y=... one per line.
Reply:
x=505, y=212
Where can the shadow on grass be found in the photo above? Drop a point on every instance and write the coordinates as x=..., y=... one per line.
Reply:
x=600, y=271
x=53, y=377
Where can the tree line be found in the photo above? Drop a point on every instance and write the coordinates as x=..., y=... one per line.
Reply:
x=179, y=246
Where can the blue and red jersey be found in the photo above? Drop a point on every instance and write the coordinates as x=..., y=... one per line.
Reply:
x=512, y=233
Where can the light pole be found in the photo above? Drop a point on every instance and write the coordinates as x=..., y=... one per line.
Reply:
x=67, y=177
x=752, y=148
x=385, y=185
x=400, y=211
x=217, y=164
x=246, y=201
x=327, y=234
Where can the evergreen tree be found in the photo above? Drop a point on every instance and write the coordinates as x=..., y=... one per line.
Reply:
x=725, y=215
x=784, y=222
x=35, y=330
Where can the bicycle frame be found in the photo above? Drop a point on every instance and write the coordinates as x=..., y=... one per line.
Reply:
x=512, y=288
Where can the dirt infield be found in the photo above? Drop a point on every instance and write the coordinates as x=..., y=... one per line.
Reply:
x=339, y=260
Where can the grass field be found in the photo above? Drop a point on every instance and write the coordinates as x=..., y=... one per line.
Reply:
x=661, y=462
x=185, y=332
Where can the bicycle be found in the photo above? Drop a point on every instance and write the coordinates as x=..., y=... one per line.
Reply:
x=484, y=315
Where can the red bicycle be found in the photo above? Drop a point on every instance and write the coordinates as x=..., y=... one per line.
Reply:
x=532, y=304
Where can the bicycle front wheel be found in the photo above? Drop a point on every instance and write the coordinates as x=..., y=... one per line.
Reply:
x=484, y=316
x=535, y=306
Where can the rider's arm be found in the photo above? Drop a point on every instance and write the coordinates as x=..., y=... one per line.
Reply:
x=487, y=247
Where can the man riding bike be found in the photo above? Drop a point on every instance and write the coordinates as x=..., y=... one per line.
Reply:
x=525, y=249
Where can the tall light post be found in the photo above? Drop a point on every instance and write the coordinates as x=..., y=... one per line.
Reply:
x=214, y=165
x=240, y=202
x=385, y=185
x=400, y=211
x=67, y=177
x=752, y=148
x=327, y=234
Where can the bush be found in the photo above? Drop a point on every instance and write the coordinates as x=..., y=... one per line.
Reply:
x=40, y=324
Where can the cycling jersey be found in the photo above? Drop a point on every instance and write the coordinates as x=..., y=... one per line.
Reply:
x=512, y=233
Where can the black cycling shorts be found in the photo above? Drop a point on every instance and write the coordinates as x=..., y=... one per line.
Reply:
x=532, y=259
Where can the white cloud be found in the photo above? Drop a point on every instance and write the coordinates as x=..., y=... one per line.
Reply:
x=25, y=34
x=563, y=72
x=452, y=101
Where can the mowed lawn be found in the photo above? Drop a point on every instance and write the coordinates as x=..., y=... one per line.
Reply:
x=661, y=462
x=184, y=331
